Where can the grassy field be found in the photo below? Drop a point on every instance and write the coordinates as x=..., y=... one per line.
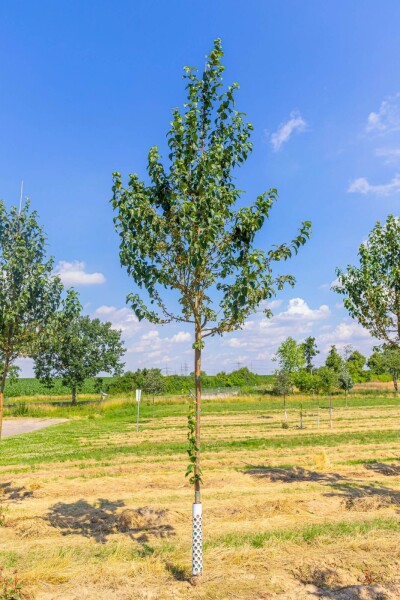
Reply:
x=91, y=509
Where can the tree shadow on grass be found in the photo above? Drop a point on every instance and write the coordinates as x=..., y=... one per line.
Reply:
x=383, y=469
x=179, y=573
x=365, y=497
x=8, y=493
x=290, y=474
x=352, y=592
x=84, y=519
x=100, y=520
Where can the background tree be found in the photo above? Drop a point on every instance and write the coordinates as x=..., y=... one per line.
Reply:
x=334, y=361
x=290, y=356
x=355, y=365
x=307, y=382
x=328, y=379
x=345, y=381
x=283, y=386
x=153, y=384
x=376, y=362
x=310, y=350
x=29, y=294
x=181, y=232
x=77, y=348
x=391, y=357
x=372, y=289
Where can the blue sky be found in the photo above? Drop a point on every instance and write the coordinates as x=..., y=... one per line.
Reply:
x=88, y=87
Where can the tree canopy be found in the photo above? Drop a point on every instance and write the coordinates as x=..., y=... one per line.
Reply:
x=29, y=294
x=290, y=355
x=372, y=289
x=334, y=361
x=310, y=350
x=182, y=232
x=78, y=347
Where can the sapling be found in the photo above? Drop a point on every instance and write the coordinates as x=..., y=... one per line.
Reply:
x=183, y=239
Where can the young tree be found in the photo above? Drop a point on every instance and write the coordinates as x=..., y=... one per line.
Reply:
x=181, y=232
x=372, y=290
x=283, y=386
x=334, y=361
x=345, y=381
x=153, y=383
x=78, y=348
x=29, y=294
x=310, y=350
x=328, y=379
x=290, y=356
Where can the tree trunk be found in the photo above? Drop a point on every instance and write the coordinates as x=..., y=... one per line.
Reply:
x=1, y=412
x=395, y=383
x=73, y=396
x=2, y=388
x=197, y=540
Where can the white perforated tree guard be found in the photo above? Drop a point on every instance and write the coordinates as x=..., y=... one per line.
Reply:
x=197, y=539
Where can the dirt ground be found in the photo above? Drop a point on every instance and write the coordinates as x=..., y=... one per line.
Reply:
x=297, y=523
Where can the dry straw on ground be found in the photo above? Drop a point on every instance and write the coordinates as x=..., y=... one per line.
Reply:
x=293, y=523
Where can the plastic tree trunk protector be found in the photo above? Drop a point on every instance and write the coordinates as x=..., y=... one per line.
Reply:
x=197, y=539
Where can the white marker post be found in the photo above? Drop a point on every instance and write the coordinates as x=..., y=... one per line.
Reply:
x=138, y=396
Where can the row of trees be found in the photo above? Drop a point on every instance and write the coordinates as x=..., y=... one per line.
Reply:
x=141, y=378
x=42, y=320
x=296, y=367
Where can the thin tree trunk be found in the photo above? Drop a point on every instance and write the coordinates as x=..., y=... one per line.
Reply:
x=73, y=396
x=197, y=531
x=197, y=373
x=1, y=412
x=2, y=388
x=395, y=383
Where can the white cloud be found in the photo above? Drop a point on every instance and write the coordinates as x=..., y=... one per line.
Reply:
x=105, y=310
x=299, y=309
x=391, y=155
x=274, y=304
x=263, y=336
x=73, y=273
x=182, y=336
x=122, y=319
x=285, y=130
x=347, y=332
x=387, y=118
x=362, y=186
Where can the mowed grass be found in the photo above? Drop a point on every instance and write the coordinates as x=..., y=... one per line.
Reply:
x=92, y=509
